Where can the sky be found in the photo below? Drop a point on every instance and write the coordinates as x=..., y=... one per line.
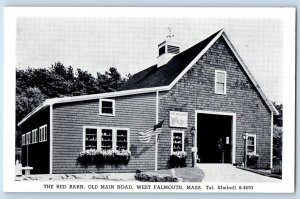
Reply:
x=130, y=44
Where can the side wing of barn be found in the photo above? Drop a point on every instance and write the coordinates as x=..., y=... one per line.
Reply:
x=36, y=142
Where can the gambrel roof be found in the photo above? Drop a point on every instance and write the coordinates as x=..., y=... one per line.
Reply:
x=163, y=78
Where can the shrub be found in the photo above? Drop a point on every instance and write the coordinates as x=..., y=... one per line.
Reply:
x=277, y=169
x=153, y=177
x=277, y=144
x=177, y=159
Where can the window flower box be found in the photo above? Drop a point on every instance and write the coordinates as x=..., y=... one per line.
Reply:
x=97, y=157
x=177, y=159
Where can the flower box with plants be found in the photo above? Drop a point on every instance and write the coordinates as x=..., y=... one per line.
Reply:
x=101, y=157
x=177, y=159
x=252, y=159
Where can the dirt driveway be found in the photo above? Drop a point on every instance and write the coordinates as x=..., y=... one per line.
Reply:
x=229, y=173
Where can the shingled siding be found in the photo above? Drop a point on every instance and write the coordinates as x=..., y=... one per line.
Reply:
x=38, y=153
x=196, y=91
x=136, y=112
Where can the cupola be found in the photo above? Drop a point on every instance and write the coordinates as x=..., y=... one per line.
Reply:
x=167, y=49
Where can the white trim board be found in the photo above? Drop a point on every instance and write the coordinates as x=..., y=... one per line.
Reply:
x=233, y=129
x=51, y=140
x=156, y=136
x=271, y=138
x=161, y=88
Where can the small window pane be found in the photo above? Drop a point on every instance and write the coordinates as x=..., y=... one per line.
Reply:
x=220, y=88
x=106, y=104
x=23, y=140
x=177, y=142
x=162, y=50
x=32, y=137
x=107, y=110
x=122, y=139
x=250, y=141
x=45, y=133
x=90, y=139
x=250, y=149
x=220, y=77
x=106, y=141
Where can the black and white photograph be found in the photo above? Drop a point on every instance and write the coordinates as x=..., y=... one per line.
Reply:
x=116, y=99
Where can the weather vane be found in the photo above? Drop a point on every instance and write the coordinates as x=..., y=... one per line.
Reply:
x=170, y=35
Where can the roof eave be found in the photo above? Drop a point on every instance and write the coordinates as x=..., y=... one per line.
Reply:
x=37, y=109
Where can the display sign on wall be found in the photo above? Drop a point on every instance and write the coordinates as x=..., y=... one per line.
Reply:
x=178, y=119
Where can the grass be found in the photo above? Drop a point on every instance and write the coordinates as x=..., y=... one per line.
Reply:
x=188, y=174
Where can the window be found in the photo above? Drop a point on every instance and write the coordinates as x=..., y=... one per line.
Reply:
x=23, y=140
x=251, y=143
x=161, y=50
x=90, y=138
x=177, y=141
x=43, y=133
x=122, y=140
x=105, y=138
x=28, y=138
x=107, y=107
x=220, y=82
x=34, y=136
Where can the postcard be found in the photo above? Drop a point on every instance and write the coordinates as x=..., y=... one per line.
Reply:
x=149, y=99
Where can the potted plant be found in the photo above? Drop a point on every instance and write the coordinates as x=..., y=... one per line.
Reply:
x=87, y=157
x=177, y=159
x=252, y=159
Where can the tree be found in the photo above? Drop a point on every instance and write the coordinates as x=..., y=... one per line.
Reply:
x=33, y=86
x=26, y=101
x=111, y=80
x=278, y=118
x=277, y=136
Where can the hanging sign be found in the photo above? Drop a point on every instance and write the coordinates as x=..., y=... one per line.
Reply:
x=178, y=119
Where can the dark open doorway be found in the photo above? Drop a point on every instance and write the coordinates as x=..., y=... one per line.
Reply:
x=214, y=138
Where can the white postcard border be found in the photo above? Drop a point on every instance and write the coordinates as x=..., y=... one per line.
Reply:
x=286, y=14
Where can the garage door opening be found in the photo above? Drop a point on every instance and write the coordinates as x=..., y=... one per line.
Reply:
x=214, y=138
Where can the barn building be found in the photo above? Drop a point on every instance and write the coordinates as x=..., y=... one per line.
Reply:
x=207, y=90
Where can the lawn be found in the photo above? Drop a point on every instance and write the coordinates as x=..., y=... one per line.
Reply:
x=188, y=174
